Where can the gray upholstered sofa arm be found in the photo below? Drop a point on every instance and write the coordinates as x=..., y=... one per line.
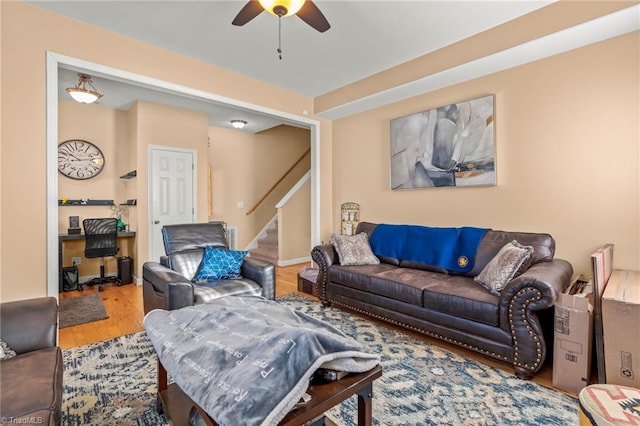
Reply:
x=324, y=256
x=29, y=325
x=176, y=288
x=535, y=290
x=263, y=273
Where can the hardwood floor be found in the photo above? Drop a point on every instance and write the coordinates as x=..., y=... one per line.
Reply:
x=125, y=309
x=124, y=306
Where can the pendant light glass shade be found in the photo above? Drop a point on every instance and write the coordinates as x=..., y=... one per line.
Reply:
x=273, y=6
x=80, y=93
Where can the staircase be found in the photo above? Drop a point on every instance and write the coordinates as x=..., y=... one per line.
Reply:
x=267, y=249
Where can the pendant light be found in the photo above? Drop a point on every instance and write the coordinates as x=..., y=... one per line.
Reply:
x=80, y=93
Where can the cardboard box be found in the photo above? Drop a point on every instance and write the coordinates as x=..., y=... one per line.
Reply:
x=621, y=328
x=572, y=343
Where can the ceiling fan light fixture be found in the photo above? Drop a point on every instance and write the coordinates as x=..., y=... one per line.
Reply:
x=80, y=93
x=282, y=7
x=238, y=124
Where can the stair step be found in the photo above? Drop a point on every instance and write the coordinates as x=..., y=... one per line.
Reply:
x=272, y=233
x=268, y=242
x=265, y=255
x=267, y=249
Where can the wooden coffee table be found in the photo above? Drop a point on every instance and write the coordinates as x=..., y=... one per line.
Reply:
x=176, y=405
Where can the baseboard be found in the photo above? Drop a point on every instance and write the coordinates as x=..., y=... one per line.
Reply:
x=293, y=261
x=84, y=279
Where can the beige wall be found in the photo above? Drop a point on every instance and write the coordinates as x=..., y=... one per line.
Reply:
x=567, y=139
x=566, y=129
x=123, y=142
x=244, y=166
x=27, y=34
x=106, y=128
x=132, y=185
x=294, y=226
x=172, y=127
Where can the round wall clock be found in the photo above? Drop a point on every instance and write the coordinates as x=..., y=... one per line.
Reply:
x=79, y=159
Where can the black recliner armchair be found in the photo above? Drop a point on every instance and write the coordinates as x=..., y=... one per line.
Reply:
x=168, y=284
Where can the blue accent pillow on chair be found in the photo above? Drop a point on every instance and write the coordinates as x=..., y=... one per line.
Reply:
x=220, y=264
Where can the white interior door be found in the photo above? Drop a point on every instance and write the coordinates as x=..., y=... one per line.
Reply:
x=172, y=197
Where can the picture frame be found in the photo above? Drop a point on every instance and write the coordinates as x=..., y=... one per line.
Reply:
x=74, y=222
x=448, y=146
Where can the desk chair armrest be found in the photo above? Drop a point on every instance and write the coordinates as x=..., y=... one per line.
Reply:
x=264, y=273
x=174, y=289
x=29, y=325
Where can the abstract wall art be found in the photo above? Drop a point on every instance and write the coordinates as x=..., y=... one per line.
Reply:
x=452, y=145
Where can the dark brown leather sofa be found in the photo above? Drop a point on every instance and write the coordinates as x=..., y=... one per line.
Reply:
x=31, y=382
x=168, y=284
x=516, y=327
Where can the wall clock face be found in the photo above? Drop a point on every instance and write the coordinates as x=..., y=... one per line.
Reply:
x=79, y=159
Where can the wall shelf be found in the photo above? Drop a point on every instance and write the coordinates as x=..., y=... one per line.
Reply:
x=85, y=203
x=129, y=175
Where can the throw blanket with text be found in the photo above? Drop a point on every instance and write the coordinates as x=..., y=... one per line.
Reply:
x=453, y=249
x=247, y=360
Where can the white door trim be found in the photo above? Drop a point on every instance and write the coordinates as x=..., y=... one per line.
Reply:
x=194, y=178
x=55, y=60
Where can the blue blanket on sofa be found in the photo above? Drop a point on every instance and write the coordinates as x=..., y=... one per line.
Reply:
x=453, y=249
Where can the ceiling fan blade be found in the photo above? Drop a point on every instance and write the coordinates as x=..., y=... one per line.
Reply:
x=312, y=16
x=248, y=12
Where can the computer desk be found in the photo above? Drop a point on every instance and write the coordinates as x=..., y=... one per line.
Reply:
x=70, y=237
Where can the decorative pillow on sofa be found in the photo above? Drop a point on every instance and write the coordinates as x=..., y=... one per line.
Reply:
x=512, y=260
x=220, y=264
x=354, y=249
x=5, y=351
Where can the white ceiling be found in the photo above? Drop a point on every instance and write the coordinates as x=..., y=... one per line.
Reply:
x=121, y=95
x=365, y=37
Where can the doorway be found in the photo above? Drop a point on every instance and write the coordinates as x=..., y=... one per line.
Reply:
x=55, y=60
x=172, y=192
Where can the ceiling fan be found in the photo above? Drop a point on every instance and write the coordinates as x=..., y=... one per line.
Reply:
x=305, y=9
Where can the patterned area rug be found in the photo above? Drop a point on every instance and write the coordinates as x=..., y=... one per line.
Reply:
x=423, y=384
x=114, y=383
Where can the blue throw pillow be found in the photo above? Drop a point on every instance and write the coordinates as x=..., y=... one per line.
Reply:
x=220, y=264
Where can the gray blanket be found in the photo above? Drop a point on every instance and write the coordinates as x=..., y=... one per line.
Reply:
x=248, y=360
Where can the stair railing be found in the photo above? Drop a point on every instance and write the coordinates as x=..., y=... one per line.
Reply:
x=275, y=185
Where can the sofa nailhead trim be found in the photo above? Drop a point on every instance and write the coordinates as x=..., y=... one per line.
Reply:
x=523, y=318
x=425, y=332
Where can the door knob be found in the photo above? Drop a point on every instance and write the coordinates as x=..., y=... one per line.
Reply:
x=155, y=222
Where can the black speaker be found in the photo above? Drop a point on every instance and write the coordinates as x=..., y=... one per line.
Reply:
x=125, y=269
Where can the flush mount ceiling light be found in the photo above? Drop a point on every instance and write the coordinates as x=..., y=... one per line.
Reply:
x=238, y=124
x=80, y=93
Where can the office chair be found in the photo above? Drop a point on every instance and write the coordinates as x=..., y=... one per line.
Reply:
x=100, y=241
